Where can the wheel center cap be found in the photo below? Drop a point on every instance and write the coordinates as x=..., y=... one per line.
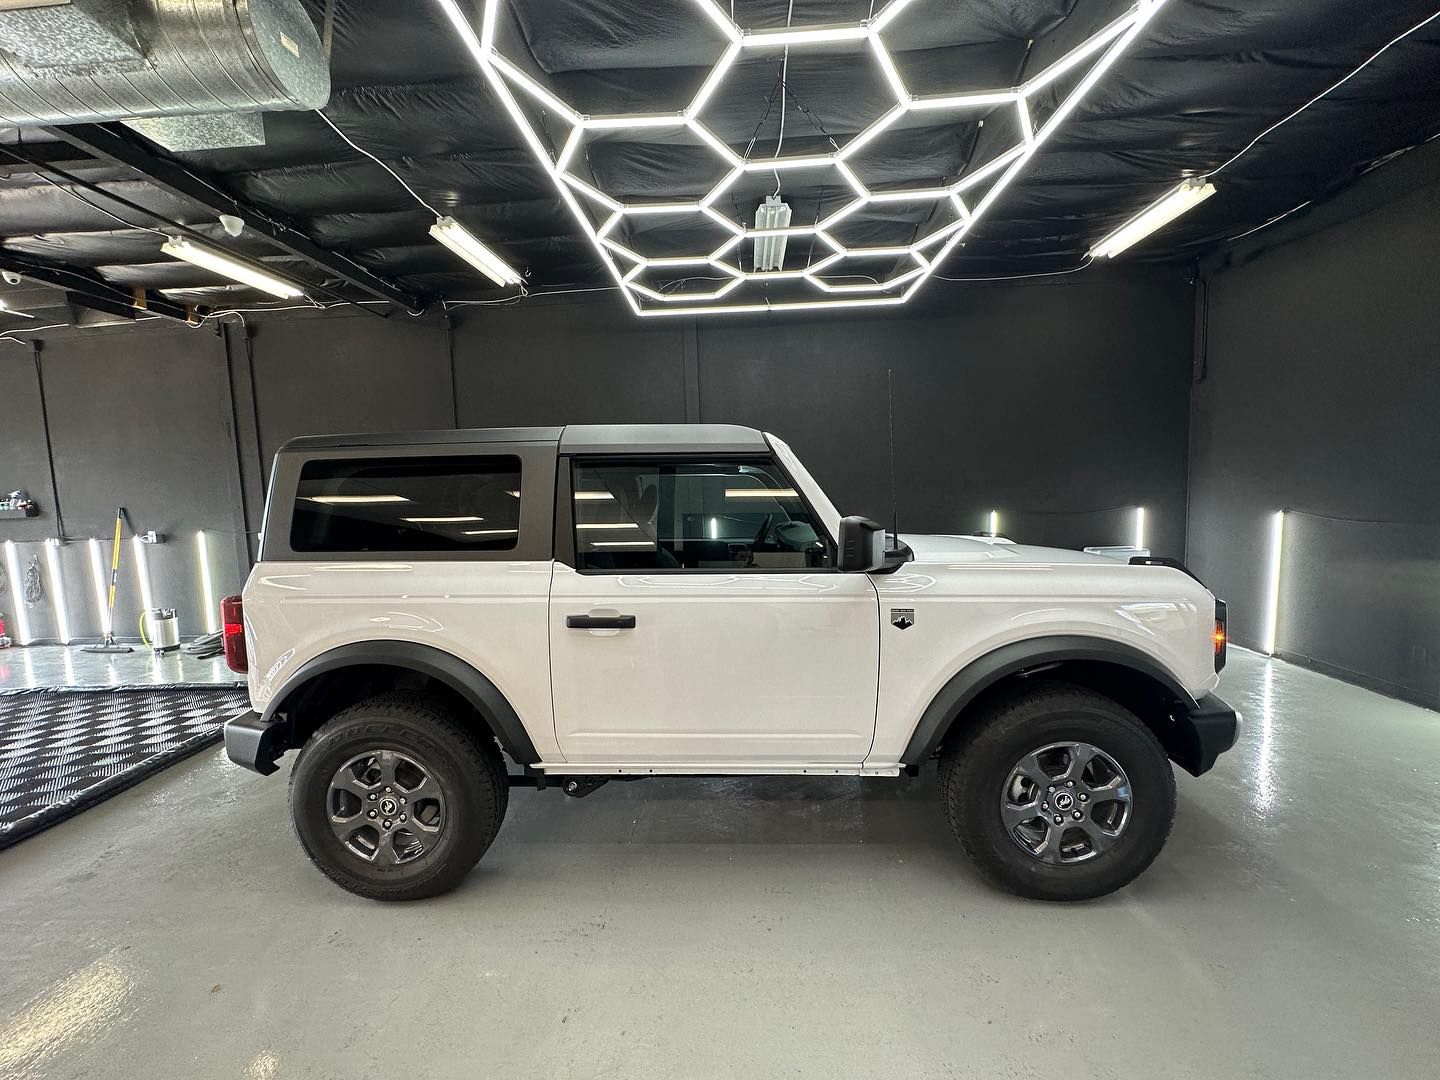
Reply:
x=1064, y=800
x=388, y=806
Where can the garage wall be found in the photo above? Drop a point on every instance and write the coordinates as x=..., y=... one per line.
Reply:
x=1320, y=397
x=1060, y=404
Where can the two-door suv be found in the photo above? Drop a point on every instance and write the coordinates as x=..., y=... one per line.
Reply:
x=596, y=602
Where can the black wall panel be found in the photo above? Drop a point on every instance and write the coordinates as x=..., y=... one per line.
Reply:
x=348, y=372
x=24, y=463
x=1045, y=402
x=586, y=363
x=1321, y=396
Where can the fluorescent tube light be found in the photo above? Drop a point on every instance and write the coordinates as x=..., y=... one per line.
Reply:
x=354, y=500
x=623, y=543
x=463, y=242
x=57, y=590
x=491, y=532
x=714, y=529
x=1272, y=590
x=17, y=590
x=994, y=523
x=226, y=265
x=207, y=583
x=1156, y=216
x=607, y=525
x=594, y=496
x=100, y=581
x=142, y=573
x=1139, y=526
x=760, y=493
x=442, y=520
x=773, y=213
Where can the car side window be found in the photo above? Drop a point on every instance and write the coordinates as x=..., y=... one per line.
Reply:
x=740, y=514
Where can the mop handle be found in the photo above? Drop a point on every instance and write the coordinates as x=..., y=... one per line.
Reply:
x=114, y=565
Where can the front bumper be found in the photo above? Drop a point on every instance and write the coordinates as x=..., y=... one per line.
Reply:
x=1203, y=733
x=255, y=743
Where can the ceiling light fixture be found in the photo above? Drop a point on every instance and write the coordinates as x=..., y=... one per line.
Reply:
x=442, y=520
x=1184, y=196
x=464, y=243
x=227, y=265
x=746, y=291
x=770, y=216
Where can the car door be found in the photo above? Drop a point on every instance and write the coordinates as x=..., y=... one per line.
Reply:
x=697, y=619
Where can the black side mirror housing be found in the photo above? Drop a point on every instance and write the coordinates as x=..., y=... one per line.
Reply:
x=862, y=545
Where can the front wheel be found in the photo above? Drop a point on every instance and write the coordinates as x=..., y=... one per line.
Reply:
x=396, y=797
x=1059, y=793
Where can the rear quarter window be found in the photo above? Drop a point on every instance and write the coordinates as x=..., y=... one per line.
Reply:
x=408, y=504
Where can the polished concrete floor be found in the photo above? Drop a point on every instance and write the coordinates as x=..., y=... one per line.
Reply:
x=757, y=928
x=71, y=665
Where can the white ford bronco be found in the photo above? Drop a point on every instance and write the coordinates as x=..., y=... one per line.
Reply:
x=600, y=602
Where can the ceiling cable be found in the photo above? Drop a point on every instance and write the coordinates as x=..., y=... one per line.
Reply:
x=400, y=179
x=1327, y=91
x=784, y=89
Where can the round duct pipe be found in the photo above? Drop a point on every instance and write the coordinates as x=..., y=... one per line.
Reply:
x=90, y=61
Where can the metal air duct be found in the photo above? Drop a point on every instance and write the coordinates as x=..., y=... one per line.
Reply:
x=190, y=74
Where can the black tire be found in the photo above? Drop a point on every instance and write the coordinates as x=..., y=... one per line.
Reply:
x=463, y=761
x=975, y=769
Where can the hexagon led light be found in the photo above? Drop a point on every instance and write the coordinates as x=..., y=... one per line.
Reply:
x=558, y=134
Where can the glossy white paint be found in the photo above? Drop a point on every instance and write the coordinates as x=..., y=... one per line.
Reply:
x=721, y=667
x=492, y=615
x=729, y=672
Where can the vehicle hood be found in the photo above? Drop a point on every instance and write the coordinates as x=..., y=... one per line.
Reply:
x=941, y=548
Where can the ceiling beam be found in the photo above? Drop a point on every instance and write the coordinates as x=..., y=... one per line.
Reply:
x=88, y=289
x=110, y=143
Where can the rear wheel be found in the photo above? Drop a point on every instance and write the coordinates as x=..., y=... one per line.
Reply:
x=396, y=798
x=1059, y=793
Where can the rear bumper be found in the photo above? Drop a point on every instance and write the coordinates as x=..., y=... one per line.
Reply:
x=1203, y=733
x=255, y=743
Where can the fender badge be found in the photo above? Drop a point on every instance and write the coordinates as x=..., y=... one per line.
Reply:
x=902, y=618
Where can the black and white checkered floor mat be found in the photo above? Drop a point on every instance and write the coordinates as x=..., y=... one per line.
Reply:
x=63, y=750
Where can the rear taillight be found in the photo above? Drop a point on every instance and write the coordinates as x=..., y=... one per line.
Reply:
x=232, y=629
x=1221, y=634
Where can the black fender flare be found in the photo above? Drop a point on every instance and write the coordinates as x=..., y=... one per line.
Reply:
x=975, y=677
x=443, y=667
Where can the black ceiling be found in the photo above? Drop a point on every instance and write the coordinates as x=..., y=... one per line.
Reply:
x=1203, y=81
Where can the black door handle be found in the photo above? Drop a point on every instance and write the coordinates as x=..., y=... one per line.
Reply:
x=600, y=622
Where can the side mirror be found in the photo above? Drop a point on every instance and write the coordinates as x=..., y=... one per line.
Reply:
x=862, y=545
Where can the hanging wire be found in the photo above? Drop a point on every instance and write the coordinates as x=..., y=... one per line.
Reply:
x=1328, y=90
x=357, y=147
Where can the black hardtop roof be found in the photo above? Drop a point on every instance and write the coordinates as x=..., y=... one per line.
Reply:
x=570, y=439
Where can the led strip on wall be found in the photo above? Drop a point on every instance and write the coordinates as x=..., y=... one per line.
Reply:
x=920, y=258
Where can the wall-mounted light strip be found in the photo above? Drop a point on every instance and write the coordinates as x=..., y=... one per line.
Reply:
x=207, y=583
x=58, y=607
x=607, y=525
x=227, y=265
x=17, y=592
x=456, y=520
x=100, y=582
x=994, y=523
x=1272, y=582
x=1100, y=50
x=490, y=532
x=142, y=572
x=354, y=500
x=464, y=243
x=1139, y=526
x=1176, y=201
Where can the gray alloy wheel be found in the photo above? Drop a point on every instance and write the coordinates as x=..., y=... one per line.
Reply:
x=386, y=806
x=1065, y=803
